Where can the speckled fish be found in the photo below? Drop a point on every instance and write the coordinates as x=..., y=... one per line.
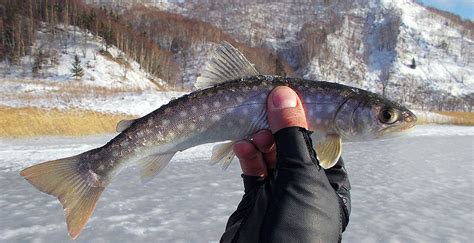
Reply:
x=229, y=105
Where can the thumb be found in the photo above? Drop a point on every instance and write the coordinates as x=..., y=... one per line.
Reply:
x=284, y=109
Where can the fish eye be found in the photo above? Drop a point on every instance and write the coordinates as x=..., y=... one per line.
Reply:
x=388, y=116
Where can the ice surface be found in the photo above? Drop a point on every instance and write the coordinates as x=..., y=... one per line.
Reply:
x=413, y=188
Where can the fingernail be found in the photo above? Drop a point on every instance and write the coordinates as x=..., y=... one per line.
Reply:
x=284, y=97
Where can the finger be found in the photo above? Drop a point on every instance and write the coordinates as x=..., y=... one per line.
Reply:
x=285, y=109
x=270, y=158
x=251, y=159
x=264, y=142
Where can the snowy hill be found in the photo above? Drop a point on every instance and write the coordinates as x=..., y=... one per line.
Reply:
x=111, y=82
x=414, y=53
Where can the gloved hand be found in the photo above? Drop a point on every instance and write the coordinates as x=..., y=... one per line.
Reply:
x=288, y=197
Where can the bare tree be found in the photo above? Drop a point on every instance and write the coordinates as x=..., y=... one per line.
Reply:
x=384, y=80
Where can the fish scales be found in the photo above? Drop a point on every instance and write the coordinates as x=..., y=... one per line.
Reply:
x=217, y=118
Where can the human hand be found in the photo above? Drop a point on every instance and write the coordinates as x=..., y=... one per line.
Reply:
x=297, y=202
x=284, y=109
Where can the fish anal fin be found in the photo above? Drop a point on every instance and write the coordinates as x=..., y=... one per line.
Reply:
x=227, y=63
x=77, y=193
x=329, y=150
x=124, y=124
x=222, y=154
x=151, y=165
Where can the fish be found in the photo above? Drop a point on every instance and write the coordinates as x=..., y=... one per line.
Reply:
x=228, y=105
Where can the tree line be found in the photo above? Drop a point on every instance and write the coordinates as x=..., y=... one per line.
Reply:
x=157, y=40
x=20, y=19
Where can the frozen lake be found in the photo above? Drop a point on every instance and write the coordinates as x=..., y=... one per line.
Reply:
x=415, y=188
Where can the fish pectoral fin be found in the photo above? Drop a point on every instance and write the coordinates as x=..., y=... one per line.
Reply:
x=151, y=165
x=227, y=63
x=329, y=150
x=222, y=154
x=124, y=124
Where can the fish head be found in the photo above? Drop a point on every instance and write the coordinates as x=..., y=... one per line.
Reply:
x=370, y=116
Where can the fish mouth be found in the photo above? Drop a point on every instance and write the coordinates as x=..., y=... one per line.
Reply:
x=409, y=118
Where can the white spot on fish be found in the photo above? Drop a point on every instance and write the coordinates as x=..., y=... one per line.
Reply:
x=240, y=99
x=192, y=126
x=183, y=113
x=255, y=88
x=180, y=126
x=217, y=104
x=215, y=118
x=101, y=167
x=194, y=109
x=331, y=108
x=170, y=134
x=165, y=122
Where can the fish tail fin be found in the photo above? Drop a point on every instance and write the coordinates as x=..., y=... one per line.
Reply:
x=77, y=193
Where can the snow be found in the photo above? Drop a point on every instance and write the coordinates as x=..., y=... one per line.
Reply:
x=421, y=37
x=413, y=188
x=107, y=85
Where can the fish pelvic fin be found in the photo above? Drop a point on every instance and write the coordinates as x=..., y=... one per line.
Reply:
x=223, y=154
x=151, y=165
x=227, y=63
x=77, y=193
x=329, y=151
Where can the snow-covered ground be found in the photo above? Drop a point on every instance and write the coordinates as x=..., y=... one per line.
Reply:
x=413, y=188
x=103, y=67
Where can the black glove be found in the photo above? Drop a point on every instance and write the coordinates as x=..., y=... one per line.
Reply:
x=297, y=203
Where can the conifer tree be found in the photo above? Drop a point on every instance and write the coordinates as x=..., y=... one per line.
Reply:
x=77, y=71
x=413, y=63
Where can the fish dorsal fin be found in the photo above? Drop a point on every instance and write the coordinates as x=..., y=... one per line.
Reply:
x=227, y=63
x=222, y=154
x=329, y=150
x=151, y=165
x=124, y=124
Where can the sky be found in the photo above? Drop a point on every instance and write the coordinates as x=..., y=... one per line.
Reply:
x=464, y=8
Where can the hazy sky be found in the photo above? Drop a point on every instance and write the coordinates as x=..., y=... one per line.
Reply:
x=464, y=8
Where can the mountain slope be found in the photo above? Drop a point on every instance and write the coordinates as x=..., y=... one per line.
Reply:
x=111, y=82
x=412, y=53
